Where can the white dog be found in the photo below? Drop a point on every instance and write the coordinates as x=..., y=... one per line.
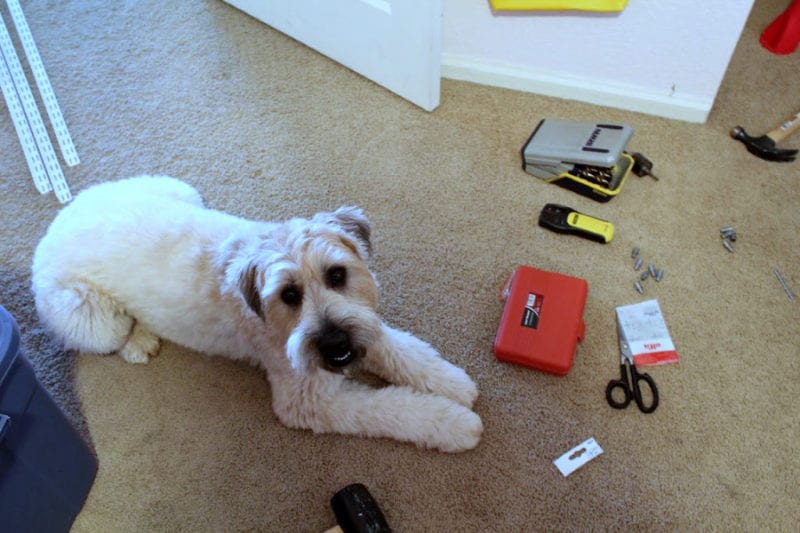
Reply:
x=131, y=262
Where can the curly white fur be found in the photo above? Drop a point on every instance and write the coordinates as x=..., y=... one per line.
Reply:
x=131, y=262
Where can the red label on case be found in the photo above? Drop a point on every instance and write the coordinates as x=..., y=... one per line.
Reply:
x=532, y=311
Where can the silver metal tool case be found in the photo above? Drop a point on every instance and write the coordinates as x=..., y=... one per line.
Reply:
x=586, y=157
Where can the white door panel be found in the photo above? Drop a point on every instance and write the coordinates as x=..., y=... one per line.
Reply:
x=395, y=43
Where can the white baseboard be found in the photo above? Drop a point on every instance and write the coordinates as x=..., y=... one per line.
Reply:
x=599, y=92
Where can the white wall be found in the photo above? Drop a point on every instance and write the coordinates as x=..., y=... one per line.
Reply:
x=662, y=57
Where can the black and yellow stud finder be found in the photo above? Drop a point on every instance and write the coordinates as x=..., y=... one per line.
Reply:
x=563, y=219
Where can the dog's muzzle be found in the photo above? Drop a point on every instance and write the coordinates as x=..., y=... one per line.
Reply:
x=335, y=347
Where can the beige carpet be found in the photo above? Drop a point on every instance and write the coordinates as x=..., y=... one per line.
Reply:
x=267, y=128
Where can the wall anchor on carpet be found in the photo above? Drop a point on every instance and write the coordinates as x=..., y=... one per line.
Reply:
x=786, y=289
x=650, y=272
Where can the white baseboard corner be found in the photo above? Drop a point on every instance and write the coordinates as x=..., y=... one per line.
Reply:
x=598, y=92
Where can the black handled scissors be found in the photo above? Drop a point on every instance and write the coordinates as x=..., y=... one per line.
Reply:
x=631, y=389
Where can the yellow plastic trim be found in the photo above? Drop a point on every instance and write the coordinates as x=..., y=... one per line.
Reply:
x=594, y=186
x=602, y=228
x=558, y=5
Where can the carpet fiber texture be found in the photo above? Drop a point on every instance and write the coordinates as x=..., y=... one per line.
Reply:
x=267, y=128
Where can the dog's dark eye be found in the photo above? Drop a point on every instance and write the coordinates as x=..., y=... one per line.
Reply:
x=291, y=296
x=337, y=277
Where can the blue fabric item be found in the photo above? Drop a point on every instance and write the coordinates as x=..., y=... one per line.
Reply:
x=46, y=470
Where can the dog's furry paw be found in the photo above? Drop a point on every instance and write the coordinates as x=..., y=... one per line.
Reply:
x=438, y=376
x=456, y=385
x=408, y=360
x=140, y=347
x=457, y=429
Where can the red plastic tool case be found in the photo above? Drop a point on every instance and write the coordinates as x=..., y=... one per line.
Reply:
x=542, y=320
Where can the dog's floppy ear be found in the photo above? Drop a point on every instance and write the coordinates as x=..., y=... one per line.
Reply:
x=248, y=285
x=353, y=221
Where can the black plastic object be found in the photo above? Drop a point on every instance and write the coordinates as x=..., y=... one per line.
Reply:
x=357, y=512
x=642, y=166
x=336, y=349
x=632, y=389
x=46, y=470
x=563, y=219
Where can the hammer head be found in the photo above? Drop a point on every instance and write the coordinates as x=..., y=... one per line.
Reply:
x=357, y=512
x=763, y=147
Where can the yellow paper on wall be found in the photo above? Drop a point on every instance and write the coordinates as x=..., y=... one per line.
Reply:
x=558, y=5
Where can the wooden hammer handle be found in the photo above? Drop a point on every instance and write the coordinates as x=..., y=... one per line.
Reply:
x=784, y=130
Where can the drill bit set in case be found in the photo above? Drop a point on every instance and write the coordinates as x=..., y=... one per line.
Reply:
x=542, y=319
x=584, y=157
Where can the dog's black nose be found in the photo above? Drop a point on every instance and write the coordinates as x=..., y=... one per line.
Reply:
x=335, y=347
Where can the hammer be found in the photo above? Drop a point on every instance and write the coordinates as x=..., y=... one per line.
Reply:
x=357, y=512
x=764, y=146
